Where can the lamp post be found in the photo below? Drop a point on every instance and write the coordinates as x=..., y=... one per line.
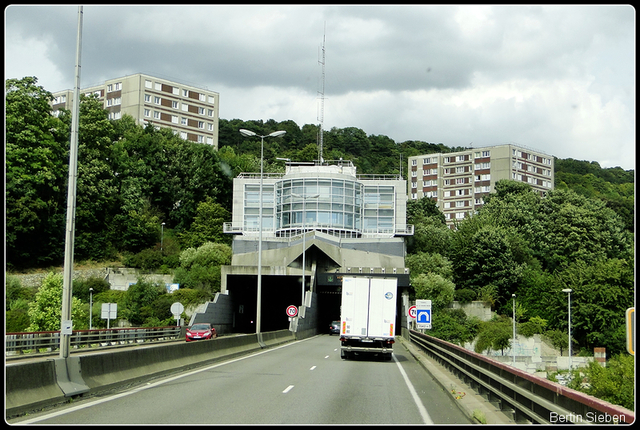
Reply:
x=304, y=237
x=250, y=133
x=568, y=291
x=513, y=347
x=90, y=307
x=161, y=236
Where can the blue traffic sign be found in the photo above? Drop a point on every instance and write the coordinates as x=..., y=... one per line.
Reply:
x=423, y=316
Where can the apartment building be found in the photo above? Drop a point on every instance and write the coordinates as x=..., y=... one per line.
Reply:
x=189, y=111
x=458, y=181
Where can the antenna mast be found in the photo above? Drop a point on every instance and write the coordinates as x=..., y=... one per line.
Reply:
x=321, y=97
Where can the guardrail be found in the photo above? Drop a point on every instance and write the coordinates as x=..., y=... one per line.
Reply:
x=529, y=397
x=49, y=341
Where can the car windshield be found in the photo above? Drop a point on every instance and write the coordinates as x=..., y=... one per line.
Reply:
x=199, y=327
x=335, y=323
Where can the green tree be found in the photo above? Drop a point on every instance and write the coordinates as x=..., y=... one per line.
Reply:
x=424, y=262
x=200, y=267
x=452, y=325
x=431, y=286
x=207, y=225
x=45, y=313
x=138, y=303
x=36, y=172
x=558, y=338
x=614, y=383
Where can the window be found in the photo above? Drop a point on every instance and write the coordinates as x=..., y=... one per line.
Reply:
x=202, y=97
x=174, y=104
x=183, y=121
x=460, y=181
x=460, y=204
x=147, y=113
x=147, y=98
x=174, y=119
x=459, y=169
x=414, y=173
x=201, y=111
x=156, y=114
x=117, y=101
x=210, y=112
x=460, y=158
x=183, y=135
x=212, y=99
x=109, y=87
x=148, y=84
x=210, y=126
x=185, y=93
x=176, y=91
x=156, y=100
x=200, y=139
x=109, y=102
x=459, y=215
x=414, y=162
x=118, y=86
x=185, y=107
x=158, y=86
x=210, y=140
x=426, y=161
x=486, y=153
x=414, y=185
x=201, y=124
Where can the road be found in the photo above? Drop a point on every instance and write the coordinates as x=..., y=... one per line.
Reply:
x=303, y=382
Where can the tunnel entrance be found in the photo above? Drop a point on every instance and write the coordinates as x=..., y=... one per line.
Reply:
x=278, y=292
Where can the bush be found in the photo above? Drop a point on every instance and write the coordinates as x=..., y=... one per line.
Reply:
x=535, y=325
x=465, y=295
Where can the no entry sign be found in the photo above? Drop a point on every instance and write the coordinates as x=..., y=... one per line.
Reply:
x=292, y=311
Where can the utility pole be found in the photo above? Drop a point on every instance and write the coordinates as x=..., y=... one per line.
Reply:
x=66, y=325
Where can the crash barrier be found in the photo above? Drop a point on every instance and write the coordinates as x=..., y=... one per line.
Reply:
x=35, y=384
x=48, y=341
x=528, y=397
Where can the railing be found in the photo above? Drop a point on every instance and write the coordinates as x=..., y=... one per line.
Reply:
x=49, y=341
x=405, y=230
x=530, y=398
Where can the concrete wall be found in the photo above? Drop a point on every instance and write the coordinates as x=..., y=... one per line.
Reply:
x=218, y=313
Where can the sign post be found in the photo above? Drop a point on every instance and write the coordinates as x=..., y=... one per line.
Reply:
x=631, y=327
x=176, y=310
x=423, y=314
x=109, y=312
x=292, y=311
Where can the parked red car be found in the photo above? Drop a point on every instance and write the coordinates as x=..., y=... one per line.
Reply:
x=201, y=331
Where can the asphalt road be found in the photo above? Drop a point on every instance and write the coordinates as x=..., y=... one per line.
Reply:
x=303, y=382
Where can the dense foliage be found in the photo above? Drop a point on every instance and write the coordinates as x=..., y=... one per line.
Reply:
x=132, y=179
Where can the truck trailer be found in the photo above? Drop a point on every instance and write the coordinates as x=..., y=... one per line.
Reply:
x=368, y=316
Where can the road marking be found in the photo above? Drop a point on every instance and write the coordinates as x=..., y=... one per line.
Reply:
x=326, y=356
x=312, y=367
x=423, y=412
x=153, y=384
x=286, y=390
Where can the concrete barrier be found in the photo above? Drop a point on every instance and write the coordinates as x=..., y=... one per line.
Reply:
x=31, y=386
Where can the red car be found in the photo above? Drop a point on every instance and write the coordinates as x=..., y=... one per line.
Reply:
x=200, y=331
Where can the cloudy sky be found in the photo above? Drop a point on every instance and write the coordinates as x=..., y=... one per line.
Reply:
x=558, y=79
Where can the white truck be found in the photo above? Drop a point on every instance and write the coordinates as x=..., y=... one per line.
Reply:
x=368, y=316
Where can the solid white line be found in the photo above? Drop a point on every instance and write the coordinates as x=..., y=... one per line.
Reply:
x=151, y=385
x=423, y=411
x=286, y=390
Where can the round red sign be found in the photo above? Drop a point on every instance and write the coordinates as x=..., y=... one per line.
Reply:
x=292, y=311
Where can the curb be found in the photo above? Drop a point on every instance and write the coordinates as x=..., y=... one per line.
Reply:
x=469, y=402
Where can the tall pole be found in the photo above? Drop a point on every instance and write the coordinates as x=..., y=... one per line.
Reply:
x=90, y=308
x=513, y=347
x=245, y=132
x=66, y=324
x=162, y=237
x=304, y=250
x=568, y=291
x=259, y=299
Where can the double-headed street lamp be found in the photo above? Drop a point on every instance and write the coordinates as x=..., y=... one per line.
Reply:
x=250, y=133
x=162, y=236
x=304, y=236
x=568, y=291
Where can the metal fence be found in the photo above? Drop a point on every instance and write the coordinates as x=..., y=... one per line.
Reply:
x=49, y=341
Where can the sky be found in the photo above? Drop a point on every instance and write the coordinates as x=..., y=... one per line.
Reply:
x=556, y=79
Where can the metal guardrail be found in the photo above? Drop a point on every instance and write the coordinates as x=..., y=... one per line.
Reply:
x=530, y=398
x=49, y=341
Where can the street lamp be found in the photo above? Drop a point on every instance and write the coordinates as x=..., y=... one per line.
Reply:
x=568, y=291
x=161, y=236
x=90, y=307
x=304, y=237
x=250, y=133
x=513, y=347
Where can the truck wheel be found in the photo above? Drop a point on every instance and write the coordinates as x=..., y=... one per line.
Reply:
x=343, y=355
x=387, y=356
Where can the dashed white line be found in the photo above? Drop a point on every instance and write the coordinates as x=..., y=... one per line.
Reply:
x=312, y=367
x=286, y=390
x=326, y=356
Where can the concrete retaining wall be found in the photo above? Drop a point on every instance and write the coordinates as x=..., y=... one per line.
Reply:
x=31, y=386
